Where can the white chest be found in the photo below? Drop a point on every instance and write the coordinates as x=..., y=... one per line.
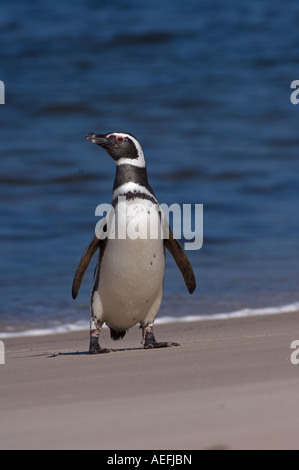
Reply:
x=133, y=264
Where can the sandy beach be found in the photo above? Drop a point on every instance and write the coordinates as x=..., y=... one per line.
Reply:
x=231, y=385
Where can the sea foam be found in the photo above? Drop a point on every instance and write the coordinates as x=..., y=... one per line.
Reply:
x=84, y=325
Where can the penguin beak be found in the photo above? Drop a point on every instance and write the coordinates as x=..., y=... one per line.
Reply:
x=99, y=139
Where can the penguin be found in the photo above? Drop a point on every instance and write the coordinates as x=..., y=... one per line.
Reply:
x=128, y=280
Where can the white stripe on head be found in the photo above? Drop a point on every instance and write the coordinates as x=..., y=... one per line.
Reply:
x=140, y=161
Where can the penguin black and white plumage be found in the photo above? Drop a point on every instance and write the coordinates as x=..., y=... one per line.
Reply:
x=128, y=281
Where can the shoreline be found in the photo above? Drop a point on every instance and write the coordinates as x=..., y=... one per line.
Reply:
x=84, y=325
x=230, y=385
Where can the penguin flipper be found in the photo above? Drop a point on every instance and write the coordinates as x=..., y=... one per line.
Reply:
x=181, y=260
x=94, y=245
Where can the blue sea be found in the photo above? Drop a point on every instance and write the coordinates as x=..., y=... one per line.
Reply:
x=205, y=87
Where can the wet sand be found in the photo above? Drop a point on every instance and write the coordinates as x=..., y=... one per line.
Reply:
x=230, y=385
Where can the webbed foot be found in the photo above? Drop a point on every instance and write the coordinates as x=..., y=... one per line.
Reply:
x=149, y=340
x=95, y=348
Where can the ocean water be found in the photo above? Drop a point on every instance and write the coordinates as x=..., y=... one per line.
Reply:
x=205, y=87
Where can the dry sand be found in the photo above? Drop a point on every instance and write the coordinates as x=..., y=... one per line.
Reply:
x=231, y=385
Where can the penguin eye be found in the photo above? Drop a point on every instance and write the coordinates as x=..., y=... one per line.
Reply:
x=119, y=138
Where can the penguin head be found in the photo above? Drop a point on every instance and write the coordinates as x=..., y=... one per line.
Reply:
x=123, y=147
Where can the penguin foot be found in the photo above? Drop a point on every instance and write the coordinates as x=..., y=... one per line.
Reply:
x=160, y=344
x=149, y=340
x=94, y=347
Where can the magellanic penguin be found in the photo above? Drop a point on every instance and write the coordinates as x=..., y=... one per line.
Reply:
x=128, y=280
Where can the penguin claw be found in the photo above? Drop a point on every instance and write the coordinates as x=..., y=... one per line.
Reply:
x=94, y=347
x=100, y=351
x=162, y=344
x=149, y=341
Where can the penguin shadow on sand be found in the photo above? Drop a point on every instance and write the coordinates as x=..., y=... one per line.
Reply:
x=50, y=355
